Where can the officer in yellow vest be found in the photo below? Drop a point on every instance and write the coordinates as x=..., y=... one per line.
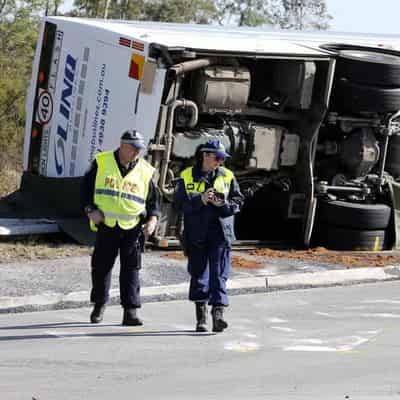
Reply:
x=118, y=195
x=209, y=197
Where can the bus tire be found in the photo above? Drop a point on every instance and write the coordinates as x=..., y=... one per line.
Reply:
x=335, y=238
x=393, y=157
x=354, y=97
x=353, y=215
x=369, y=67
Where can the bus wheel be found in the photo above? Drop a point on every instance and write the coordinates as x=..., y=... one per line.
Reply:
x=366, y=65
x=355, y=97
x=354, y=215
x=393, y=156
x=369, y=67
x=335, y=238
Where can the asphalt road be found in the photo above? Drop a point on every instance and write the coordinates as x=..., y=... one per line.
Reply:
x=326, y=343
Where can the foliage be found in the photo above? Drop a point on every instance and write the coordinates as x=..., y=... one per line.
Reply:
x=193, y=11
x=289, y=14
x=18, y=32
x=301, y=14
x=244, y=12
x=188, y=11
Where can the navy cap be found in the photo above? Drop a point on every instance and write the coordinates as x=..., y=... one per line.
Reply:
x=134, y=138
x=215, y=146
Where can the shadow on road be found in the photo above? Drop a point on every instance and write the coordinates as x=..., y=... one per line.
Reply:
x=61, y=335
x=74, y=324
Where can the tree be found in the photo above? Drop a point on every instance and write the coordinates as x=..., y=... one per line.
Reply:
x=89, y=8
x=195, y=11
x=188, y=11
x=244, y=12
x=301, y=14
x=125, y=9
x=18, y=33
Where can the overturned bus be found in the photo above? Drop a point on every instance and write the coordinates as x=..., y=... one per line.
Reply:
x=310, y=119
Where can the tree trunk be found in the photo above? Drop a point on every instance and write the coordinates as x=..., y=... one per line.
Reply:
x=106, y=5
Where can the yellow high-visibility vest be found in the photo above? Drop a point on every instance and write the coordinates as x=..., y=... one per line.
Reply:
x=222, y=183
x=121, y=199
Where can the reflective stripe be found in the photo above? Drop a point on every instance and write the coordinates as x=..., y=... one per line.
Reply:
x=107, y=192
x=132, y=197
x=114, y=193
x=222, y=183
x=120, y=216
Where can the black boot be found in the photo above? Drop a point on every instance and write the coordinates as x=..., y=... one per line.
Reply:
x=97, y=314
x=219, y=324
x=201, y=317
x=131, y=318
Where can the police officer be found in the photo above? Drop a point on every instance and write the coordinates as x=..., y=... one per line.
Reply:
x=209, y=197
x=118, y=195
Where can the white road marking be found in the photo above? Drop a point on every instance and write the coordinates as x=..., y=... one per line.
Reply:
x=381, y=301
x=349, y=347
x=380, y=315
x=277, y=320
x=311, y=341
x=250, y=335
x=324, y=314
x=184, y=327
x=336, y=344
x=72, y=335
x=283, y=328
x=373, y=333
x=242, y=347
x=309, y=348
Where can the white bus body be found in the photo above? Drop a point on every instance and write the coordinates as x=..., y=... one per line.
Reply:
x=266, y=94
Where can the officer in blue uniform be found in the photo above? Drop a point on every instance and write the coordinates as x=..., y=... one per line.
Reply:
x=121, y=202
x=208, y=196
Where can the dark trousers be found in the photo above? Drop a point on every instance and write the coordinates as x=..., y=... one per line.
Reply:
x=209, y=265
x=110, y=241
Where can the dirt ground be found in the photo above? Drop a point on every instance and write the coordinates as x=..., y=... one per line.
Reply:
x=322, y=255
x=319, y=255
x=39, y=248
x=237, y=261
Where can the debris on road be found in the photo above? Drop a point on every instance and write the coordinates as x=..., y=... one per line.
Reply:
x=322, y=255
x=237, y=261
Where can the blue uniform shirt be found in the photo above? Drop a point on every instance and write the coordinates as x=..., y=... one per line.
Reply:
x=203, y=221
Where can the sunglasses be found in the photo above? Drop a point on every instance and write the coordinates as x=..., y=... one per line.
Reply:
x=216, y=156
